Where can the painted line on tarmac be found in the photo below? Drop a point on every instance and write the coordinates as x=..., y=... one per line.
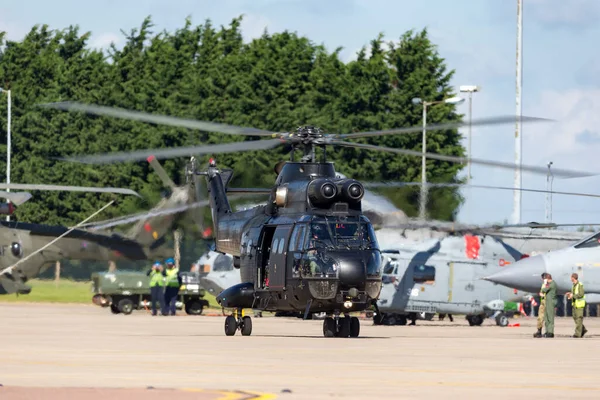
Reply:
x=237, y=395
x=496, y=385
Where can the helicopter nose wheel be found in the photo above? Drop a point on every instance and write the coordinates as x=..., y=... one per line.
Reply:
x=236, y=321
x=341, y=327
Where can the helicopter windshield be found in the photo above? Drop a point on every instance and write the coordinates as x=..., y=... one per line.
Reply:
x=590, y=241
x=222, y=263
x=335, y=233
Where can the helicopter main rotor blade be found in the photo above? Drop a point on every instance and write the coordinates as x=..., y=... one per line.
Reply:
x=449, y=125
x=127, y=219
x=457, y=227
x=176, y=152
x=17, y=198
x=375, y=185
x=156, y=119
x=464, y=160
x=27, y=186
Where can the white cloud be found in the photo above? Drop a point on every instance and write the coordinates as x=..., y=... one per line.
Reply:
x=254, y=25
x=571, y=138
x=103, y=40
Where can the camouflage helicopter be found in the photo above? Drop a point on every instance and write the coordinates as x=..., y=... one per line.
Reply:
x=310, y=248
x=27, y=248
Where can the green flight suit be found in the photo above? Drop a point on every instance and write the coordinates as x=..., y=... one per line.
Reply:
x=541, y=311
x=549, y=291
x=578, y=303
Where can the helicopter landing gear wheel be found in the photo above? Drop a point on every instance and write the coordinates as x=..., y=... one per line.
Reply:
x=474, y=320
x=502, y=320
x=232, y=324
x=246, y=327
x=329, y=327
x=343, y=327
x=354, y=327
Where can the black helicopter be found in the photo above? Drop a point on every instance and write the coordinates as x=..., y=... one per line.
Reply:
x=310, y=248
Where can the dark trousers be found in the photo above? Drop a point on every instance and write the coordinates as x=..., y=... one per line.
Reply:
x=157, y=295
x=171, y=298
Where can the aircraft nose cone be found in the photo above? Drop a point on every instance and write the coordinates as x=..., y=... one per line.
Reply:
x=525, y=274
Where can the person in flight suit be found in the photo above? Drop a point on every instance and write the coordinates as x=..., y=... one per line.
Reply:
x=172, y=285
x=549, y=290
x=577, y=297
x=157, y=285
x=541, y=311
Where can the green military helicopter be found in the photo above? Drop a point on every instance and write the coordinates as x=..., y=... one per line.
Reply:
x=27, y=248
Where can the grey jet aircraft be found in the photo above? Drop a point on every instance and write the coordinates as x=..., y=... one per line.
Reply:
x=582, y=257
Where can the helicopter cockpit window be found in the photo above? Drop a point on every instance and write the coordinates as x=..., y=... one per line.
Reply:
x=317, y=264
x=280, y=248
x=593, y=241
x=333, y=232
x=16, y=249
x=319, y=236
x=274, y=246
x=389, y=267
x=424, y=274
x=222, y=263
x=294, y=238
x=371, y=237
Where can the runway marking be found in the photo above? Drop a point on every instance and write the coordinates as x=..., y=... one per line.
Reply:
x=237, y=395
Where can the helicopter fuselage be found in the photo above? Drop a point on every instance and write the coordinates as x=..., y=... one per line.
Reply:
x=295, y=256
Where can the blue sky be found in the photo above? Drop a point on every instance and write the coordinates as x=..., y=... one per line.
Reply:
x=561, y=70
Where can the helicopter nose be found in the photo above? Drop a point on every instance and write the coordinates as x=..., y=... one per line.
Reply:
x=352, y=273
x=525, y=274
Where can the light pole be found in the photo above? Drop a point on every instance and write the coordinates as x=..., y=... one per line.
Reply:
x=416, y=100
x=7, y=143
x=518, y=194
x=469, y=89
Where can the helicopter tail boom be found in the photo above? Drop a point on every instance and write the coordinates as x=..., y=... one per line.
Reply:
x=219, y=202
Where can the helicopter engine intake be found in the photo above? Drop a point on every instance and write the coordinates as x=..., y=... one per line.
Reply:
x=322, y=192
x=351, y=190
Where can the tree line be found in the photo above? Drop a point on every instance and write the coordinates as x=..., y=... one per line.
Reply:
x=278, y=82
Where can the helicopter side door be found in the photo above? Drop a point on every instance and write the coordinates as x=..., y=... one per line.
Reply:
x=277, y=260
x=462, y=281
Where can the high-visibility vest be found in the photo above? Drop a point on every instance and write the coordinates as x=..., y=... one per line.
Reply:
x=156, y=279
x=578, y=303
x=172, y=277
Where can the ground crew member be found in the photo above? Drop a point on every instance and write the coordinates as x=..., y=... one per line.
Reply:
x=172, y=284
x=577, y=297
x=157, y=285
x=541, y=311
x=549, y=290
